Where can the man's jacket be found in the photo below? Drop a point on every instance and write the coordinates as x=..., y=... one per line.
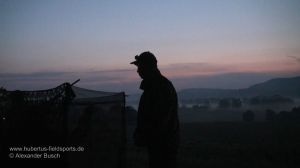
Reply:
x=157, y=112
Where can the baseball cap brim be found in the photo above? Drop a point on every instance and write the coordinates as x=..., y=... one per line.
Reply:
x=134, y=63
x=136, y=60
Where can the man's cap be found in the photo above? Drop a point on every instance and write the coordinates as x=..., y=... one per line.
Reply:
x=146, y=58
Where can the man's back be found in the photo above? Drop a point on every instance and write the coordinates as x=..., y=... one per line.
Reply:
x=157, y=114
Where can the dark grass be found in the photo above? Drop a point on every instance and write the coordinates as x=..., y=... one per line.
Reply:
x=233, y=144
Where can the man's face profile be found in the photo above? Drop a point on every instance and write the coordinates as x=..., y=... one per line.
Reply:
x=141, y=71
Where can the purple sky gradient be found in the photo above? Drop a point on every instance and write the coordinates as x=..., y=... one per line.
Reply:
x=45, y=43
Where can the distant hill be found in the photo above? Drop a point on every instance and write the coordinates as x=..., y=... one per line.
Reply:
x=287, y=87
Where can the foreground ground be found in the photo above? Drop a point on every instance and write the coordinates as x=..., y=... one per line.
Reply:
x=233, y=144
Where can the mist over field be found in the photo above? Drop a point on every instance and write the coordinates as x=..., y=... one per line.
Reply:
x=225, y=105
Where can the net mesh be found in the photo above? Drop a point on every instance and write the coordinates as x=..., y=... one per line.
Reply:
x=93, y=122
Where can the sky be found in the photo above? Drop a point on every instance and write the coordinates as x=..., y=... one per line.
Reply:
x=47, y=42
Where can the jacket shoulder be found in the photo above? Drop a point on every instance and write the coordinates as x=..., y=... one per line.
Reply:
x=166, y=84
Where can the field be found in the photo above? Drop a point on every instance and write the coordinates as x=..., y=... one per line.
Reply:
x=232, y=144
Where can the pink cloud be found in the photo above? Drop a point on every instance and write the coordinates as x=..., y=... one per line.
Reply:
x=195, y=69
x=185, y=75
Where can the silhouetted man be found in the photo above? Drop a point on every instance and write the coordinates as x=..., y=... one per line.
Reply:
x=157, y=121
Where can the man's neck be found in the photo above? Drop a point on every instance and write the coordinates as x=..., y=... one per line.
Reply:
x=150, y=79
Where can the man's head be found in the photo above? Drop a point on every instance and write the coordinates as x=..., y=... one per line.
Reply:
x=146, y=64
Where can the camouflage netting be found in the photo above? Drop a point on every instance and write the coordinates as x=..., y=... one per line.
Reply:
x=66, y=116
